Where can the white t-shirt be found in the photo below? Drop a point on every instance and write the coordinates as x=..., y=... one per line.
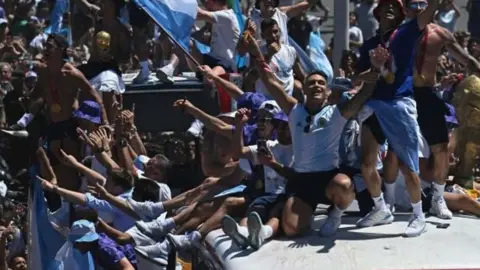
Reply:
x=283, y=154
x=282, y=66
x=280, y=17
x=316, y=150
x=225, y=36
x=108, y=81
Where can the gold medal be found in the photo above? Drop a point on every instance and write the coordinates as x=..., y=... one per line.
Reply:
x=56, y=108
x=390, y=78
x=418, y=80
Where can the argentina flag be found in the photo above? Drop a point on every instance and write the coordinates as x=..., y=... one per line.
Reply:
x=176, y=17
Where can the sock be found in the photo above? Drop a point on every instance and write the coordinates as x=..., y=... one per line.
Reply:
x=336, y=212
x=417, y=209
x=379, y=202
x=438, y=190
x=267, y=231
x=25, y=120
x=390, y=192
x=168, y=224
x=242, y=230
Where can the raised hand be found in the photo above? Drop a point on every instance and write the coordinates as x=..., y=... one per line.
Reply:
x=379, y=56
x=242, y=116
x=45, y=184
x=182, y=104
x=84, y=138
x=68, y=160
x=99, y=191
x=265, y=158
x=251, y=44
x=96, y=140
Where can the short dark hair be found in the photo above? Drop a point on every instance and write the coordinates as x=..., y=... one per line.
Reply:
x=267, y=24
x=257, y=3
x=163, y=162
x=123, y=178
x=316, y=72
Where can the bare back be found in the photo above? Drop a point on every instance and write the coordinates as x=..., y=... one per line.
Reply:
x=429, y=48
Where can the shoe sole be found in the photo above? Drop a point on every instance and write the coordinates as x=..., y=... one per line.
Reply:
x=387, y=221
x=229, y=226
x=433, y=213
x=16, y=133
x=164, y=77
x=416, y=234
x=254, y=225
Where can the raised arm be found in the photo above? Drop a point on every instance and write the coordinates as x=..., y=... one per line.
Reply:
x=238, y=148
x=210, y=122
x=121, y=204
x=92, y=176
x=274, y=88
x=455, y=50
x=203, y=15
x=232, y=90
x=82, y=83
x=297, y=9
x=120, y=237
x=428, y=14
x=351, y=107
x=68, y=195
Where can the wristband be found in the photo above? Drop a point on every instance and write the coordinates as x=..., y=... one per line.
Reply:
x=25, y=120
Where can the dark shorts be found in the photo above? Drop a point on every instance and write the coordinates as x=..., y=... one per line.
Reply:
x=138, y=17
x=431, y=115
x=376, y=129
x=212, y=62
x=61, y=130
x=311, y=188
x=267, y=202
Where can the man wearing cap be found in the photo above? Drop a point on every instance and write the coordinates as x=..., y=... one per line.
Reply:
x=105, y=252
x=267, y=186
x=431, y=108
x=395, y=116
x=58, y=85
x=316, y=128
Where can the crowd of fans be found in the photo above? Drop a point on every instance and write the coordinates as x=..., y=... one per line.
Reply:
x=110, y=187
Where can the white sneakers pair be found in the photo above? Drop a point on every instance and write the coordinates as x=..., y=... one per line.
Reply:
x=416, y=225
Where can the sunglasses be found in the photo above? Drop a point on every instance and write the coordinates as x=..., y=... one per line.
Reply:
x=418, y=5
x=308, y=119
x=264, y=120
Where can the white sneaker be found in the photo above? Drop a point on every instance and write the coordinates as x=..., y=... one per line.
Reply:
x=182, y=242
x=416, y=226
x=376, y=217
x=165, y=73
x=152, y=229
x=158, y=251
x=230, y=228
x=255, y=235
x=330, y=226
x=391, y=207
x=439, y=209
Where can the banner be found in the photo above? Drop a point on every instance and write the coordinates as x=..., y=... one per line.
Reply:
x=176, y=17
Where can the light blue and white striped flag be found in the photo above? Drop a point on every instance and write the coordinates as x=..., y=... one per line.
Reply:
x=176, y=17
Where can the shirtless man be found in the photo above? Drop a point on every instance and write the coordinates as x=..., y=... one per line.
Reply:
x=431, y=109
x=58, y=85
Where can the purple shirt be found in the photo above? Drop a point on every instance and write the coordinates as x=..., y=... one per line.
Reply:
x=109, y=253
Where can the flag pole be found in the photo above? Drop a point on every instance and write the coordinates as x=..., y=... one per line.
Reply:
x=178, y=45
x=171, y=38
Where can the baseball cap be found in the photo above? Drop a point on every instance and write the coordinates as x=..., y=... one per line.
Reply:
x=31, y=74
x=251, y=101
x=341, y=85
x=281, y=116
x=270, y=106
x=89, y=110
x=3, y=21
x=83, y=231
